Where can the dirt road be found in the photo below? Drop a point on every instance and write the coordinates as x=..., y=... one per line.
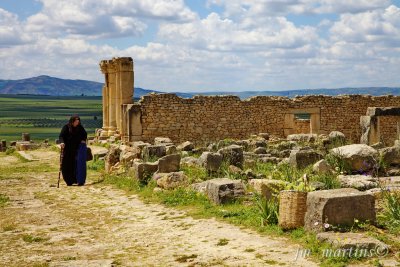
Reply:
x=97, y=225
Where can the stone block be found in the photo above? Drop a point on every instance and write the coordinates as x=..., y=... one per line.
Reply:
x=359, y=182
x=152, y=151
x=170, y=180
x=169, y=163
x=268, y=188
x=233, y=154
x=186, y=146
x=338, y=207
x=358, y=157
x=221, y=190
x=353, y=241
x=211, y=161
x=302, y=158
x=143, y=170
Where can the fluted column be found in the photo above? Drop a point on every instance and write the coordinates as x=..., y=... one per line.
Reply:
x=125, y=79
x=112, y=99
x=105, y=97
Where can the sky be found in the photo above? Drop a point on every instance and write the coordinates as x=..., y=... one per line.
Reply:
x=206, y=45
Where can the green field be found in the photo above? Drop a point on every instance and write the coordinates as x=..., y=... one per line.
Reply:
x=43, y=116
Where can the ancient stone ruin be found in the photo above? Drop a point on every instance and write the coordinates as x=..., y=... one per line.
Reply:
x=212, y=118
x=117, y=94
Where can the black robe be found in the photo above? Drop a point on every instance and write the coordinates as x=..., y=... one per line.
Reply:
x=71, y=138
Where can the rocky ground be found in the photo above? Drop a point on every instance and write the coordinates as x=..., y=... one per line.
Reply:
x=97, y=225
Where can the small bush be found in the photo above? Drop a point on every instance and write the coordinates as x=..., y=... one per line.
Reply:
x=195, y=173
x=268, y=210
x=330, y=180
x=10, y=150
x=391, y=212
x=95, y=164
x=3, y=200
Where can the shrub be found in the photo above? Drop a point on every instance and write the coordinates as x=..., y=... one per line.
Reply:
x=391, y=212
x=268, y=210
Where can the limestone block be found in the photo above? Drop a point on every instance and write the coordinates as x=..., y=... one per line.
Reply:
x=186, y=146
x=359, y=182
x=233, y=154
x=268, y=188
x=351, y=240
x=112, y=157
x=190, y=161
x=338, y=207
x=162, y=140
x=221, y=190
x=152, y=151
x=391, y=155
x=336, y=137
x=143, y=170
x=260, y=150
x=170, y=180
x=302, y=137
x=358, y=157
x=302, y=158
x=171, y=150
x=211, y=161
x=169, y=163
x=322, y=166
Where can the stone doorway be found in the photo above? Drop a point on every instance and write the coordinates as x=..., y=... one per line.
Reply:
x=302, y=121
x=380, y=125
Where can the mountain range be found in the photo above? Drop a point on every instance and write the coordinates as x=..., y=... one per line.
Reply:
x=46, y=85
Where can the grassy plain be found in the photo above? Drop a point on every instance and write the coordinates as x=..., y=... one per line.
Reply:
x=43, y=116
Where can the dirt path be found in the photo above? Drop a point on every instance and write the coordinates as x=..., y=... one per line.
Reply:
x=97, y=225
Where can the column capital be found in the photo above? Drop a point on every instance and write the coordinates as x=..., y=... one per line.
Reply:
x=104, y=66
x=123, y=63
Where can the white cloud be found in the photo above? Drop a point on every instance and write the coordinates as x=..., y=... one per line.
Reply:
x=374, y=26
x=104, y=18
x=11, y=30
x=253, y=46
x=284, y=7
x=215, y=33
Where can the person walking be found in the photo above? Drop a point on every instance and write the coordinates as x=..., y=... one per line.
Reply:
x=73, y=146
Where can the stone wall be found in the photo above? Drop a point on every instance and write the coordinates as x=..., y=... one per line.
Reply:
x=302, y=126
x=388, y=129
x=210, y=118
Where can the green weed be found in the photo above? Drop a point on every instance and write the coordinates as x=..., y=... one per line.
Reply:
x=34, y=239
x=268, y=210
x=4, y=200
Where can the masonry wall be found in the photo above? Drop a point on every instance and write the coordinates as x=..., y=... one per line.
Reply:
x=388, y=129
x=210, y=118
x=302, y=126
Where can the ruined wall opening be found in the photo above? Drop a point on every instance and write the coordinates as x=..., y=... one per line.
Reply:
x=302, y=123
x=381, y=125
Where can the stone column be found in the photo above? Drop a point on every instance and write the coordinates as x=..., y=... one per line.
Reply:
x=125, y=91
x=105, y=109
x=105, y=97
x=112, y=99
x=315, y=123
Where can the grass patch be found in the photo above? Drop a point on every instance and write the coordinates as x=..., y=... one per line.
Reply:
x=198, y=206
x=223, y=242
x=34, y=239
x=9, y=227
x=185, y=258
x=4, y=200
x=96, y=164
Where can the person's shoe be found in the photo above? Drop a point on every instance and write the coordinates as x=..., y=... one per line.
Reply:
x=80, y=184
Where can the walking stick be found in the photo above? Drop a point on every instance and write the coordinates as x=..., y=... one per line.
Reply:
x=59, y=172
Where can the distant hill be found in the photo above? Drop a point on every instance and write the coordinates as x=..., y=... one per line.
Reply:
x=46, y=85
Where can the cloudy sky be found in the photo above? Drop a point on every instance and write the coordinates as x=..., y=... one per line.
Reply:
x=206, y=45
